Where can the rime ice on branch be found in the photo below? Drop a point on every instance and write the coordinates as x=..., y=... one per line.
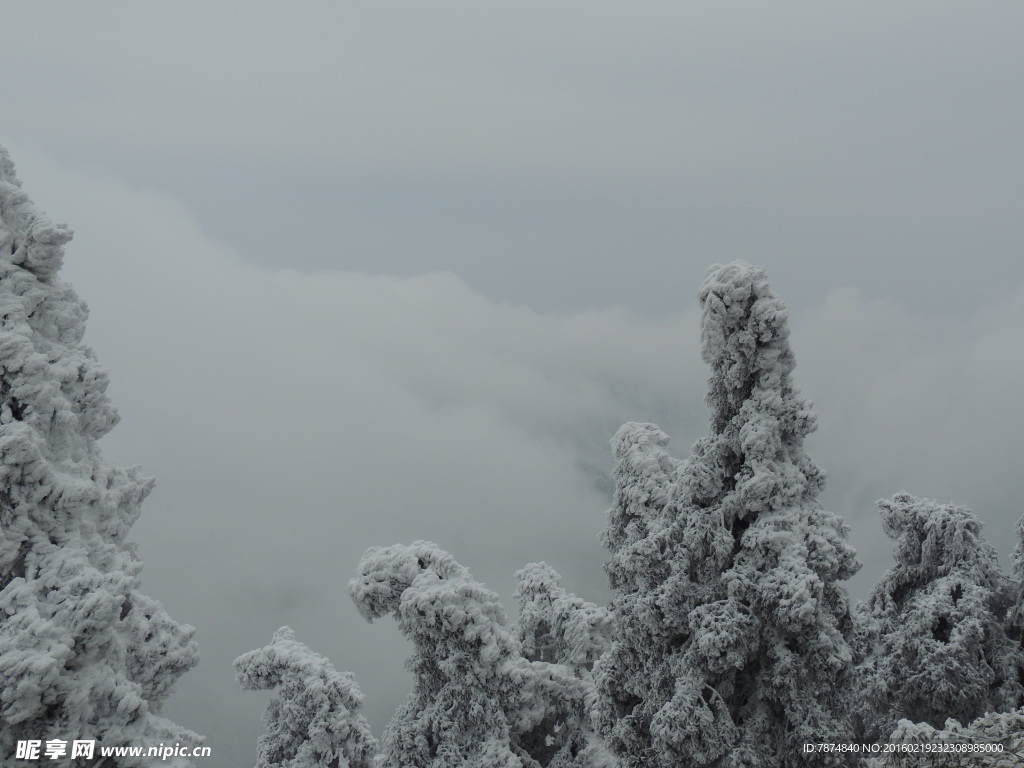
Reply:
x=732, y=642
x=314, y=720
x=476, y=702
x=83, y=654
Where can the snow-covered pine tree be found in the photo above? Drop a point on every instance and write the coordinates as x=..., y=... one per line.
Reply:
x=314, y=720
x=634, y=677
x=556, y=627
x=83, y=654
x=936, y=622
x=476, y=702
x=456, y=714
x=732, y=643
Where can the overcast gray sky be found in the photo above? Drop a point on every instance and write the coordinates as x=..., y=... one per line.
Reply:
x=366, y=273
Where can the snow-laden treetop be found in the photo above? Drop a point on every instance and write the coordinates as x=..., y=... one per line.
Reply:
x=313, y=721
x=744, y=337
x=758, y=418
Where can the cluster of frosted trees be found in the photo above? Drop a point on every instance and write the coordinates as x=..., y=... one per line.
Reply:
x=729, y=642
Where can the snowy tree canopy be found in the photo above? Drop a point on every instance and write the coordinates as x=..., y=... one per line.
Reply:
x=314, y=720
x=83, y=654
x=556, y=626
x=644, y=476
x=476, y=702
x=936, y=621
x=732, y=643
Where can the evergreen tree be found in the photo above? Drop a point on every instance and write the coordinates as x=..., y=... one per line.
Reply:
x=936, y=622
x=83, y=654
x=314, y=720
x=476, y=702
x=733, y=634
x=556, y=627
